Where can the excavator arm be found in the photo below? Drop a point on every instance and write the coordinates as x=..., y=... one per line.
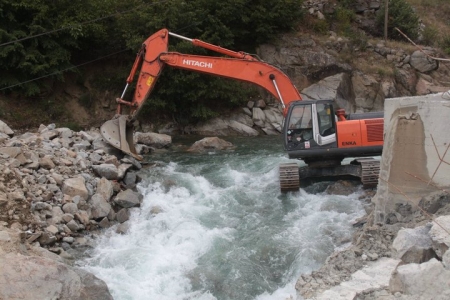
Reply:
x=154, y=55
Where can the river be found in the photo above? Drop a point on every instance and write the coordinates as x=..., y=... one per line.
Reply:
x=215, y=226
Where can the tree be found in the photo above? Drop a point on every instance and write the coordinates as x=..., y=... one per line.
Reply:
x=39, y=38
x=401, y=15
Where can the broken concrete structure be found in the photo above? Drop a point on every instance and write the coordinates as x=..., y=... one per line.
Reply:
x=416, y=153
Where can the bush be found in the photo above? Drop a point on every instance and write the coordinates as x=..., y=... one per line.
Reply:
x=401, y=16
x=344, y=17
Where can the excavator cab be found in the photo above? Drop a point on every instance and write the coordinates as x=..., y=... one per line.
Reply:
x=309, y=125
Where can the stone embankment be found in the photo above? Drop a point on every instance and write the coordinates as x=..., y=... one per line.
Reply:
x=57, y=187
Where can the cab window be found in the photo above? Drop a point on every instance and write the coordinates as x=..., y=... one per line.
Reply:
x=300, y=127
x=300, y=117
x=325, y=119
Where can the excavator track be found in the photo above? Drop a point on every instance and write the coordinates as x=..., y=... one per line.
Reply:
x=289, y=177
x=370, y=171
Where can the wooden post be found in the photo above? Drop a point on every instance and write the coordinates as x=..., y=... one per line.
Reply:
x=386, y=18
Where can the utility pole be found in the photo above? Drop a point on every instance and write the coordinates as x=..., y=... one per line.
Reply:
x=386, y=18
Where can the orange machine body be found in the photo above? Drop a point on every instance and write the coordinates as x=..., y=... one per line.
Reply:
x=359, y=133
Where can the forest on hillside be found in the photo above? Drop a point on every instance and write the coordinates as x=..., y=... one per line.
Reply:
x=42, y=42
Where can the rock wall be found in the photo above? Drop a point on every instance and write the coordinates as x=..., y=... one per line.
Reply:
x=415, y=158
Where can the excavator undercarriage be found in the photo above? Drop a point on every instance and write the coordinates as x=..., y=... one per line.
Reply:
x=366, y=169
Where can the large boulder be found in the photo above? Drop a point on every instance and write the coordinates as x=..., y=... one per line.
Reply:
x=423, y=281
x=337, y=88
x=31, y=277
x=422, y=62
x=153, y=139
x=127, y=199
x=413, y=245
x=210, y=143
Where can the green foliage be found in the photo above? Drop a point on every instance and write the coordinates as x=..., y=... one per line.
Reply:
x=402, y=16
x=358, y=39
x=343, y=18
x=93, y=30
x=317, y=25
x=31, y=52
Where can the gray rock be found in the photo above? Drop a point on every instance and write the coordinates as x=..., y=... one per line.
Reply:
x=73, y=226
x=123, y=228
x=99, y=206
x=422, y=63
x=153, y=139
x=258, y=117
x=425, y=281
x=123, y=215
x=82, y=216
x=413, y=245
x=439, y=235
x=105, y=188
x=70, y=208
x=5, y=129
x=109, y=171
x=211, y=143
x=75, y=187
x=50, y=280
x=127, y=199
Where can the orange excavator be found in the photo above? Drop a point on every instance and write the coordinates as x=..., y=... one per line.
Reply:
x=314, y=131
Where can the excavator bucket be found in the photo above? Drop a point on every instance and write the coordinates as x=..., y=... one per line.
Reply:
x=119, y=134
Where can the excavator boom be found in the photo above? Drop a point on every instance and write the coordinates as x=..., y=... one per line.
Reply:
x=154, y=55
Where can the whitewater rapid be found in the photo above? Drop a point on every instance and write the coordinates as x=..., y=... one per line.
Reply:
x=215, y=226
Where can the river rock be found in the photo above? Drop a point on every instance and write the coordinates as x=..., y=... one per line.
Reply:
x=123, y=215
x=258, y=116
x=5, y=129
x=75, y=187
x=153, y=139
x=30, y=277
x=109, y=171
x=99, y=206
x=127, y=199
x=211, y=143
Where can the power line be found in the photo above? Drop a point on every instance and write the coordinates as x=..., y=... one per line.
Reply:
x=79, y=24
x=61, y=71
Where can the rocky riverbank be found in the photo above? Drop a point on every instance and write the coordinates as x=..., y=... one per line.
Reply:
x=409, y=259
x=58, y=187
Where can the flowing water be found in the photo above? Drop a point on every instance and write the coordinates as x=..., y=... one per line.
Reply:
x=215, y=226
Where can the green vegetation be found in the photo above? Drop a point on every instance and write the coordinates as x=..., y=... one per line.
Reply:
x=84, y=31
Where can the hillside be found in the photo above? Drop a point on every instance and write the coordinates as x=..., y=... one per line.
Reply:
x=346, y=36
